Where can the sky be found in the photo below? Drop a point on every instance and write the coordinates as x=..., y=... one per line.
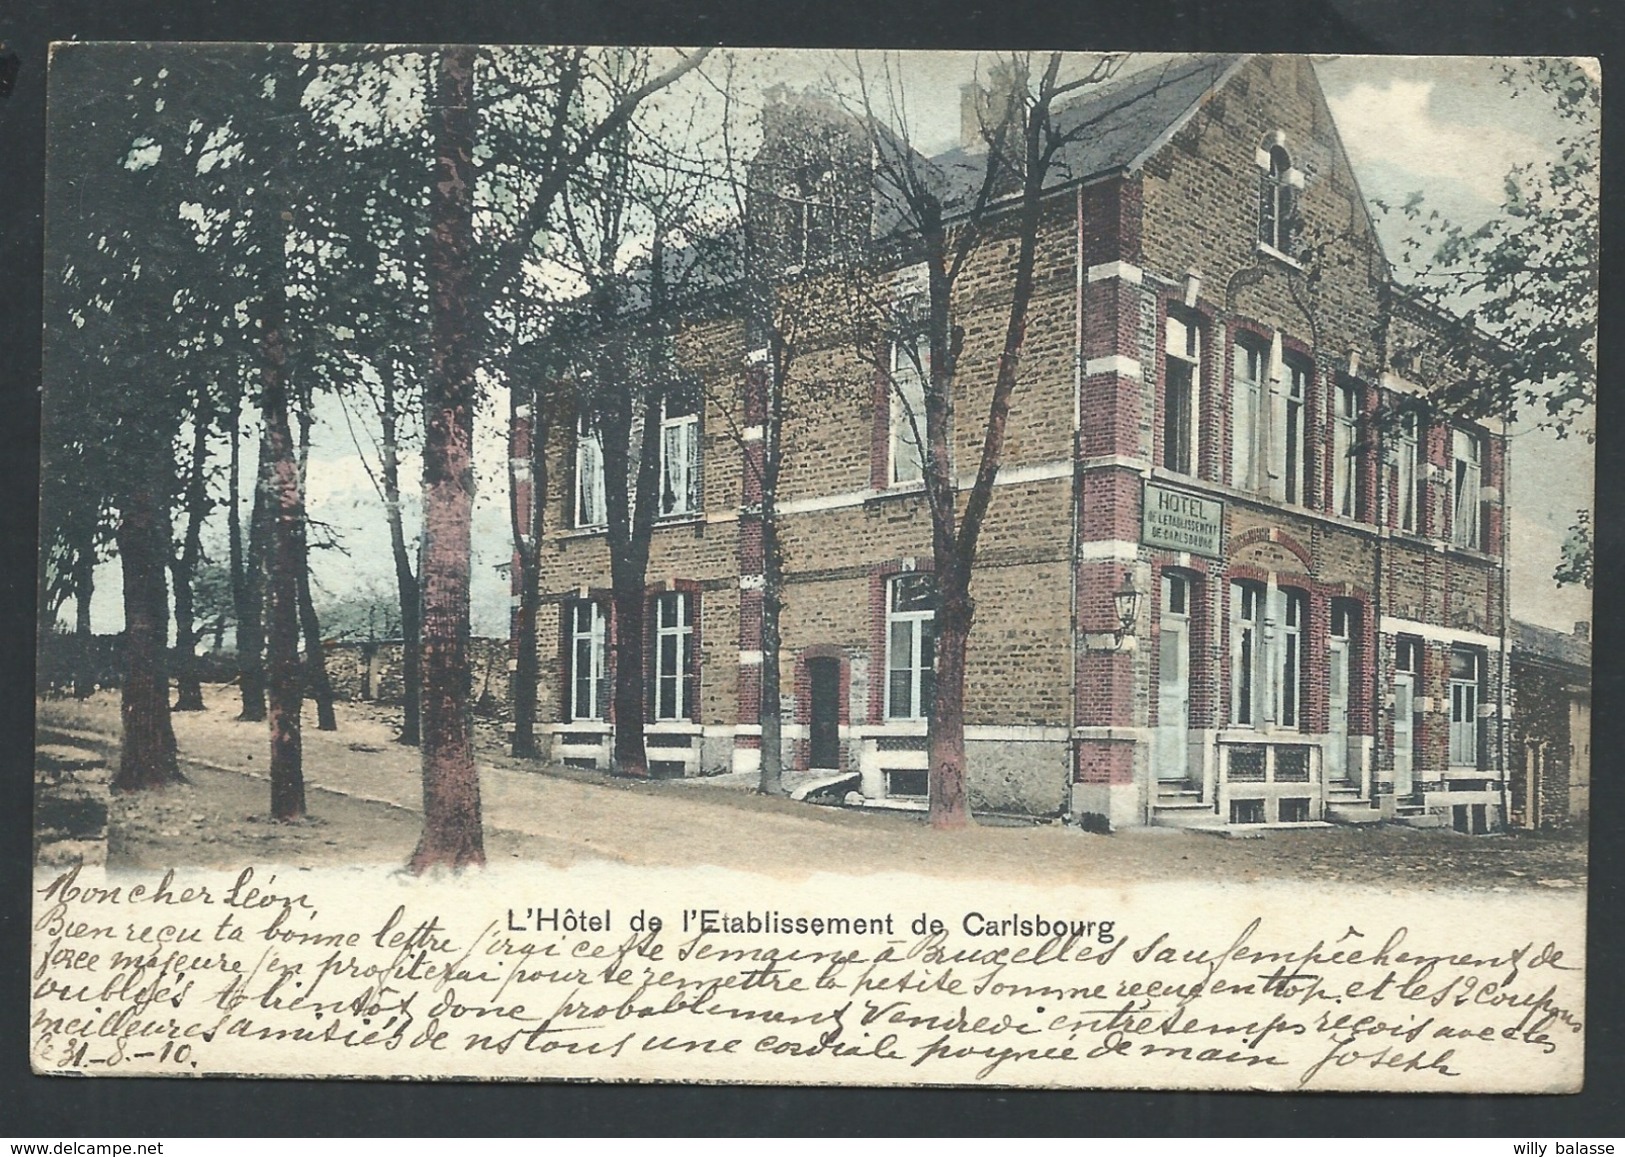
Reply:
x=1444, y=126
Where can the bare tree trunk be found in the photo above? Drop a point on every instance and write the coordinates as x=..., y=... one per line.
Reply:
x=631, y=757
x=770, y=712
x=147, y=756
x=527, y=525
x=406, y=580
x=452, y=831
x=183, y=567
x=247, y=581
x=949, y=802
x=286, y=503
x=321, y=687
x=631, y=519
x=84, y=587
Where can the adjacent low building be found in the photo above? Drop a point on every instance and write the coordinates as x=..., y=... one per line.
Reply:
x=1234, y=571
x=1550, y=759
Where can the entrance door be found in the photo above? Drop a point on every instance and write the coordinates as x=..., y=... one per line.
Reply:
x=1337, y=710
x=1404, y=744
x=1172, y=755
x=824, y=734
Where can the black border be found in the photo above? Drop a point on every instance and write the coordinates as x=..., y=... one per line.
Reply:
x=51, y=1108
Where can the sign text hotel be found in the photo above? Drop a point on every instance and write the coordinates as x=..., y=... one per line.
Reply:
x=1175, y=520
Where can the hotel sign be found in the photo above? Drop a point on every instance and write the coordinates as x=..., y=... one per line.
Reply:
x=1175, y=520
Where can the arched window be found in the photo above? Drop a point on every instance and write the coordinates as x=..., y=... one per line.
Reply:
x=1267, y=655
x=1276, y=202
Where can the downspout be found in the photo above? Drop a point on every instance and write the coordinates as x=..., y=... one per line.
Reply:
x=1379, y=652
x=1076, y=498
x=1506, y=656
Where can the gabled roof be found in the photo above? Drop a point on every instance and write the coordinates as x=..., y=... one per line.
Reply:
x=1127, y=120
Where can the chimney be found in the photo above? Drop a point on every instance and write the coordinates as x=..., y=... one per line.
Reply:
x=972, y=106
x=982, y=107
x=1582, y=630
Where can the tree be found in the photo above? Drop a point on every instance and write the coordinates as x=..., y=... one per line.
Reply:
x=1578, y=552
x=1526, y=278
x=790, y=301
x=641, y=190
x=533, y=408
x=452, y=832
x=119, y=275
x=942, y=226
x=184, y=562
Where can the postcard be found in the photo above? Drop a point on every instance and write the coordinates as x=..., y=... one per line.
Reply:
x=807, y=567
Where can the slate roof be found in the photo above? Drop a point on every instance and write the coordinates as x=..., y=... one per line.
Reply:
x=1542, y=644
x=1124, y=117
x=1123, y=120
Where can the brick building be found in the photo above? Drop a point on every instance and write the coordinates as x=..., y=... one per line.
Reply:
x=1204, y=419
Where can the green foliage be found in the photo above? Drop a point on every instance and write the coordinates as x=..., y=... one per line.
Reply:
x=1575, y=567
x=1527, y=277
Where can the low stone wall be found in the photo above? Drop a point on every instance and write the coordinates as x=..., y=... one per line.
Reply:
x=372, y=672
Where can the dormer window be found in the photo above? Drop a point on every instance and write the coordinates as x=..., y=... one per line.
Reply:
x=1278, y=186
x=680, y=452
x=807, y=217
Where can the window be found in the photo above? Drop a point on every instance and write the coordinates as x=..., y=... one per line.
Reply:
x=1291, y=650
x=680, y=452
x=806, y=214
x=1277, y=202
x=1406, y=474
x=910, y=646
x=589, y=685
x=1465, y=493
x=590, y=510
x=1289, y=449
x=1345, y=438
x=1408, y=655
x=1246, y=638
x=1266, y=655
x=1246, y=811
x=674, y=659
x=1466, y=671
x=1247, y=398
x=1182, y=377
x=907, y=392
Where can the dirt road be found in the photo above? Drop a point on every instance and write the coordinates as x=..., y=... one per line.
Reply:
x=364, y=798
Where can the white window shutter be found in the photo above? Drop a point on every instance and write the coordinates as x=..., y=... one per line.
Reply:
x=1274, y=655
x=1273, y=425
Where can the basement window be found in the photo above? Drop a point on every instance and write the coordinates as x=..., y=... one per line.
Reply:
x=909, y=783
x=1246, y=811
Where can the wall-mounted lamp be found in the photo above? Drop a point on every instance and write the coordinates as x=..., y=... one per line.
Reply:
x=1126, y=602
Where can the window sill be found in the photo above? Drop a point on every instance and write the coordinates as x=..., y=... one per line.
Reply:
x=1265, y=249
x=582, y=532
x=895, y=491
x=672, y=727
x=1472, y=552
x=694, y=518
x=890, y=727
